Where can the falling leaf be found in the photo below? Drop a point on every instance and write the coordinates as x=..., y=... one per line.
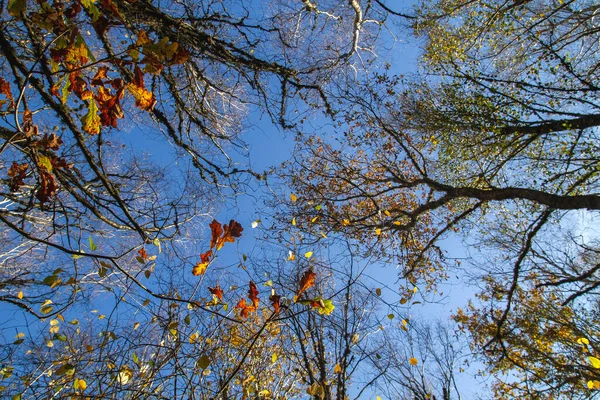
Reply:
x=293, y=198
x=413, y=361
x=308, y=254
x=20, y=295
x=307, y=281
x=291, y=256
x=92, y=244
x=294, y=221
x=256, y=223
x=378, y=291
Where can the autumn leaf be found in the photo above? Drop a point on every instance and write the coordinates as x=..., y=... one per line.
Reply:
x=217, y=291
x=143, y=254
x=595, y=362
x=17, y=8
x=199, y=268
x=205, y=257
x=307, y=281
x=17, y=173
x=144, y=99
x=47, y=187
x=245, y=309
x=413, y=361
x=216, y=231
x=275, y=302
x=91, y=120
x=253, y=294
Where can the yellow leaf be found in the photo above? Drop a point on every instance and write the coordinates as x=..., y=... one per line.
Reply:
x=49, y=343
x=91, y=120
x=308, y=254
x=79, y=384
x=293, y=197
x=136, y=325
x=199, y=269
x=583, y=341
x=274, y=357
x=415, y=289
x=337, y=369
x=378, y=231
x=291, y=256
x=413, y=361
x=345, y=222
x=595, y=362
x=20, y=295
x=386, y=212
x=590, y=384
x=144, y=99
x=314, y=219
x=294, y=221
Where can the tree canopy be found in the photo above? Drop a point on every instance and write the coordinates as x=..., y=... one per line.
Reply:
x=123, y=141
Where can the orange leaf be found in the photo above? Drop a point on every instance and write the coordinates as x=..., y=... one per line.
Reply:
x=307, y=281
x=253, y=294
x=244, y=308
x=205, y=257
x=142, y=253
x=217, y=291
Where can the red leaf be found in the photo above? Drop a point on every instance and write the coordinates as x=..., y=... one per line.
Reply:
x=253, y=294
x=217, y=291
x=307, y=281
x=216, y=231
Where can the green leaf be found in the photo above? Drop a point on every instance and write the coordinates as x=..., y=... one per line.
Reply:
x=92, y=244
x=65, y=369
x=203, y=361
x=17, y=8
x=91, y=8
x=135, y=358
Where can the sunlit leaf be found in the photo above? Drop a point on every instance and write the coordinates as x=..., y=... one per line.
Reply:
x=293, y=197
x=413, y=361
x=307, y=281
x=595, y=362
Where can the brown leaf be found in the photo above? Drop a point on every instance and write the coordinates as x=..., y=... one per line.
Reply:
x=51, y=141
x=307, y=281
x=275, y=302
x=217, y=291
x=47, y=187
x=253, y=294
x=6, y=91
x=205, y=257
x=216, y=231
x=17, y=173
